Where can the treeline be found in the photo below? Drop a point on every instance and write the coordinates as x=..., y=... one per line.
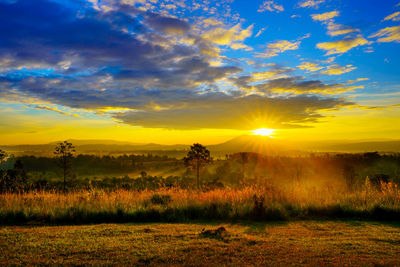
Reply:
x=90, y=164
x=239, y=169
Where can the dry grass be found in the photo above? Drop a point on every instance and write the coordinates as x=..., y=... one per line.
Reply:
x=294, y=202
x=296, y=243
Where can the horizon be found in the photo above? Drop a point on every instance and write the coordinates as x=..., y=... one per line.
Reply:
x=199, y=72
x=99, y=141
x=341, y=141
x=253, y=143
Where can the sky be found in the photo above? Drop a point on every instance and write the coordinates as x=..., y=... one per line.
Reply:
x=172, y=72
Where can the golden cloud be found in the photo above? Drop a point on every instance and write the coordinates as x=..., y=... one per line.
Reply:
x=311, y=3
x=388, y=34
x=270, y=6
x=325, y=16
x=337, y=69
x=273, y=49
x=356, y=80
x=43, y=107
x=342, y=46
x=309, y=66
x=223, y=36
x=395, y=17
x=335, y=29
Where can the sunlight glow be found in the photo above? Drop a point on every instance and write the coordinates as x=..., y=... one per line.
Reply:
x=264, y=132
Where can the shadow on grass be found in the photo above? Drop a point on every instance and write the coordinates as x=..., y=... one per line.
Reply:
x=202, y=213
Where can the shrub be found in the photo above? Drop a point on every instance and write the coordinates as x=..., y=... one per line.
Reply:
x=258, y=208
x=158, y=199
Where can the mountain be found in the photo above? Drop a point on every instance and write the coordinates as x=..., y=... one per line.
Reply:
x=80, y=142
x=380, y=146
x=251, y=143
x=244, y=143
x=95, y=147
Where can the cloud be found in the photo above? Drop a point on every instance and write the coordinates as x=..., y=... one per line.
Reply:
x=227, y=36
x=243, y=112
x=342, y=46
x=129, y=51
x=273, y=49
x=311, y=3
x=388, y=34
x=167, y=24
x=180, y=108
x=395, y=17
x=275, y=71
x=309, y=66
x=325, y=16
x=56, y=110
x=337, y=69
x=280, y=82
x=297, y=85
x=270, y=6
x=260, y=32
x=356, y=80
x=335, y=29
x=144, y=66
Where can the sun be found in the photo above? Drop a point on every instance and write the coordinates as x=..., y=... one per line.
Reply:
x=264, y=132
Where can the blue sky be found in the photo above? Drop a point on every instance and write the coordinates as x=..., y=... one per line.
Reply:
x=191, y=66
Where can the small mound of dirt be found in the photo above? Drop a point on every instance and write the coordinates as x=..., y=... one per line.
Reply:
x=216, y=233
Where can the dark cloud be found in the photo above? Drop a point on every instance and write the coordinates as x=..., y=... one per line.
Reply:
x=166, y=24
x=299, y=85
x=226, y=112
x=185, y=109
x=296, y=85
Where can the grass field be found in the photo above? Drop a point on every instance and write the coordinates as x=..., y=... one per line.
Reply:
x=182, y=205
x=294, y=243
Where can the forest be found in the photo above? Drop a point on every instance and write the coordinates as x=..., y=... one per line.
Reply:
x=139, y=172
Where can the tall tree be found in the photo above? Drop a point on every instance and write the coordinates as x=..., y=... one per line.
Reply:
x=197, y=157
x=65, y=152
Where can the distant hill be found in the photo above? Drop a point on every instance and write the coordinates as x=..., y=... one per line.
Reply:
x=381, y=146
x=80, y=142
x=94, y=147
x=251, y=143
x=244, y=143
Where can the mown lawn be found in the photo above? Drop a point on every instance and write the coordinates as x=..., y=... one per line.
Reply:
x=293, y=243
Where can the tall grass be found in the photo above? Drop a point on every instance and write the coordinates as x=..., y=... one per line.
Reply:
x=230, y=204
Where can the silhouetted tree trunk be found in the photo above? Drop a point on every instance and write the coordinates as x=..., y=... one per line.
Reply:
x=64, y=151
x=65, y=174
x=198, y=174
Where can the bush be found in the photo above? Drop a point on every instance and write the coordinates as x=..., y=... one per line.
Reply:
x=158, y=199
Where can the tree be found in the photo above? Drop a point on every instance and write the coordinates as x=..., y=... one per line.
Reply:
x=197, y=157
x=3, y=155
x=349, y=175
x=3, y=173
x=243, y=159
x=64, y=151
x=13, y=179
x=17, y=178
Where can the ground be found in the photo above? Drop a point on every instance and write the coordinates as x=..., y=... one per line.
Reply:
x=293, y=243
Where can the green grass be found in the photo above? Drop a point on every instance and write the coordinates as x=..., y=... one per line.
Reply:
x=293, y=243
